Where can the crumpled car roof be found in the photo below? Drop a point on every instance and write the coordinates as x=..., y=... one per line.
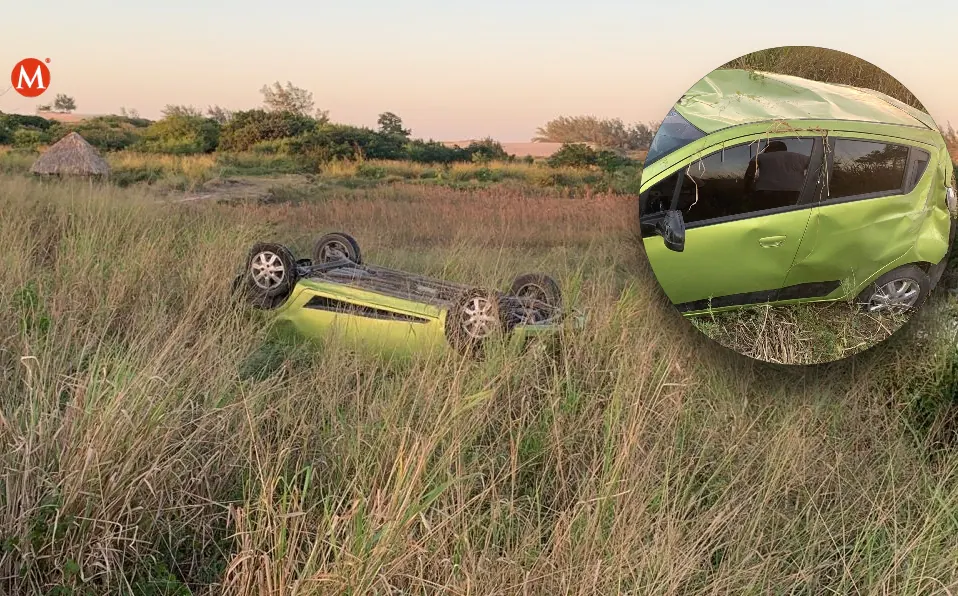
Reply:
x=730, y=97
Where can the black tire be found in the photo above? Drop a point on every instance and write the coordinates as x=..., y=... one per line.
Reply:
x=465, y=329
x=270, y=274
x=538, y=286
x=539, y=298
x=336, y=246
x=885, y=286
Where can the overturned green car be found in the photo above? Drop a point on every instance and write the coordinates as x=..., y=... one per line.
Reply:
x=335, y=292
x=766, y=188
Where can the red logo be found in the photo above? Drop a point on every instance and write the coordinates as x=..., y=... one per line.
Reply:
x=30, y=77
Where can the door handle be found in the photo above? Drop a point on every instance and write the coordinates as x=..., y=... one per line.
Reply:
x=771, y=241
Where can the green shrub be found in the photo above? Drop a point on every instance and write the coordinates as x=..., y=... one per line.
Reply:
x=434, y=152
x=575, y=155
x=610, y=161
x=339, y=141
x=487, y=150
x=251, y=127
x=106, y=133
x=366, y=170
x=180, y=135
x=25, y=138
x=15, y=121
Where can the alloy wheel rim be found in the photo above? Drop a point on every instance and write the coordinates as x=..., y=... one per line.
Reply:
x=479, y=317
x=268, y=270
x=896, y=295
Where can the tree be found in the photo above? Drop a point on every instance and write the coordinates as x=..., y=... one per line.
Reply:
x=611, y=133
x=64, y=103
x=44, y=108
x=391, y=124
x=172, y=110
x=220, y=115
x=322, y=116
x=293, y=99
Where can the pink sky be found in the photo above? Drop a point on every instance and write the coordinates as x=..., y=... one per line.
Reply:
x=450, y=71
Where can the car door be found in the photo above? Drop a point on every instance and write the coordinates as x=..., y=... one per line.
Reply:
x=870, y=216
x=743, y=228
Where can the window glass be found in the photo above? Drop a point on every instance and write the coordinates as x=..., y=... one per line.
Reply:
x=674, y=132
x=863, y=167
x=745, y=178
x=659, y=197
x=917, y=168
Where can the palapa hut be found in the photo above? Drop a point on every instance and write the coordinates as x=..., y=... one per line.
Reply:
x=71, y=156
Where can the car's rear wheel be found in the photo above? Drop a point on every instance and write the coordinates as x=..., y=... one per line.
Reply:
x=539, y=296
x=336, y=247
x=474, y=318
x=270, y=274
x=896, y=292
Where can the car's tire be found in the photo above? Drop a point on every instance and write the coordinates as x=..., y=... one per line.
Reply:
x=538, y=286
x=270, y=274
x=544, y=293
x=336, y=246
x=900, y=290
x=474, y=318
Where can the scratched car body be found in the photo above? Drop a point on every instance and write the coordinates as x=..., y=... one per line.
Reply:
x=765, y=188
x=336, y=293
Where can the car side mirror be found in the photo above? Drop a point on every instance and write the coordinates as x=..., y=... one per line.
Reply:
x=672, y=229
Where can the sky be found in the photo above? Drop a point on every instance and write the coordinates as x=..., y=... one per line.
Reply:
x=452, y=70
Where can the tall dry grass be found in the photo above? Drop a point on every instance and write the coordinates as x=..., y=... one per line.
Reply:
x=156, y=438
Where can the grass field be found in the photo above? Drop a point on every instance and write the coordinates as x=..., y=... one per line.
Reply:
x=154, y=440
x=171, y=173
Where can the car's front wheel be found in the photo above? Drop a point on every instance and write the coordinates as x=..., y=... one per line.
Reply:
x=896, y=292
x=270, y=274
x=474, y=318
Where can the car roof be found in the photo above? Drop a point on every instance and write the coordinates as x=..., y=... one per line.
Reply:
x=731, y=97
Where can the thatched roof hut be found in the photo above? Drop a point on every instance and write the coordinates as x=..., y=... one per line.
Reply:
x=73, y=156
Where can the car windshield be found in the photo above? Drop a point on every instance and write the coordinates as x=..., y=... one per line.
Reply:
x=674, y=132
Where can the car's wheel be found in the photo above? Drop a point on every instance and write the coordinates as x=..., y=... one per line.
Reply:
x=336, y=247
x=270, y=274
x=474, y=318
x=897, y=291
x=539, y=287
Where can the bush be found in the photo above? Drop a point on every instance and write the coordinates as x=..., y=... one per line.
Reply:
x=575, y=155
x=106, y=133
x=487, y=150
x=15, y=121
x=340, y=141
x=24, y=138
x=434, y=152
x=610, y=161
x=180, y=135
x=251, y=127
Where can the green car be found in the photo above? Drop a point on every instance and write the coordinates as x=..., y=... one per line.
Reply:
x=335, y=292
x=766, y=188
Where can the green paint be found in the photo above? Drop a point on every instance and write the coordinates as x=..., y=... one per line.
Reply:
x=852, y=242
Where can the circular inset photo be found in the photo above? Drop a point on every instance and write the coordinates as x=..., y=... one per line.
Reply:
x=798, y=205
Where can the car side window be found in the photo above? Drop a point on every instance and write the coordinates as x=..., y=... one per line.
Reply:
x=916, y=168
x=746, y=178
x=866, y=167
x=659, y=197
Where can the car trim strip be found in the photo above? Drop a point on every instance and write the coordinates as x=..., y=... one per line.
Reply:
x=817, y=289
